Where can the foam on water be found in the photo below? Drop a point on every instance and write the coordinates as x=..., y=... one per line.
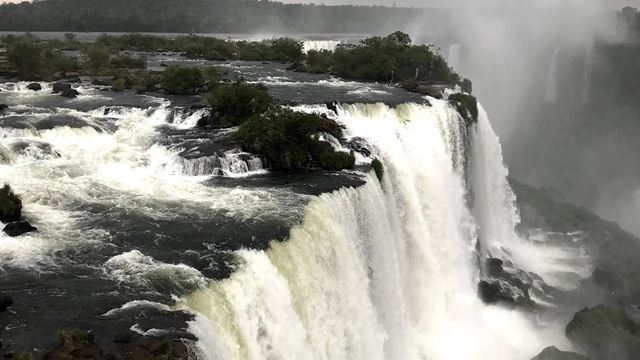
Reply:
x=387, y=270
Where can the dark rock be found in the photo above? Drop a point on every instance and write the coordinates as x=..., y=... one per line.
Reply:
x=180, y=350
x=5, y=302
x=60, y=87
x=605, y=333
x=360, y=145
x=123, y=338
x=332, y=106
x=163, y=65
x=296, y=66
x=10, y=205
x=494, y=267
x=552, y=353
x=606, y=279
x=34, y=87
x=89, y=351
x=3, y=107
x=70, y=93
x=18, y=228
x=493, y=291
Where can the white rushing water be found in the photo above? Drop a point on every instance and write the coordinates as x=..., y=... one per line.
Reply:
x=319, y=45
x=387, y=270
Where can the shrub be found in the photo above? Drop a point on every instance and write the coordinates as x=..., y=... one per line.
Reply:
x=26, y=55
x=72, y=337
x=128, y=62
x=97, y=56
x=319, y=62
x=466, y=105
x=22, y=356
x=285, y=138
x=58, y=62
x=391, y=59
x=179, y=80
x=212, y=76
x=118, y=85
x=233, y=104
x=10, y=205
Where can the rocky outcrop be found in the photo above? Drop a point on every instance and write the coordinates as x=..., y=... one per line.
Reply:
x=34, y=87
x=18, y=228
x=75, y=344
x=605, y=333
x=60, y=88
x=552, y=353
x=504, y=287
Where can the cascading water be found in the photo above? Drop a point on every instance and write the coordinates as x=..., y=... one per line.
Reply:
x=551, y=90
x=387, y=270
x=319, y=45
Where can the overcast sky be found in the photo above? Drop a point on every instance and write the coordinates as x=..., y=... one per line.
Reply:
x=613, y=3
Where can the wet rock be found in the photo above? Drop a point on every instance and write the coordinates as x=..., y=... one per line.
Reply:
x=333, y=106
x=89, y=351
x=70, y=93
x=10, y=205
x=59, y=121
x=5, y=302
x=505, y=287
x=34, y=87
x=3, y=107
x=360, y=145
x=123, y=338
x=296, y=66
x=18, y=228
x=74, y=344
x=161, y=348
x=552, y=353
x=605, y=333
x=60, y=87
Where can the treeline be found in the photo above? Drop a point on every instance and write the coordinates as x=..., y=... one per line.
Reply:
x=217, y=16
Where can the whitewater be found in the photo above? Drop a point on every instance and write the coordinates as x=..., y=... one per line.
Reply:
x=387, y=270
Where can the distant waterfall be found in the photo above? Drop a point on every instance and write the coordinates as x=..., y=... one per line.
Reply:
x=551, y=90
x=384, y=271
x=329, y=45
x=454, y=56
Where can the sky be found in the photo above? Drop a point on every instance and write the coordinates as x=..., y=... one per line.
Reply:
x=613, y=3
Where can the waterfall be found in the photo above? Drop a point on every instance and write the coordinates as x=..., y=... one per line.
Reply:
x=454, y=56
x=318, y=45
x=551, y=90
x=387, y=270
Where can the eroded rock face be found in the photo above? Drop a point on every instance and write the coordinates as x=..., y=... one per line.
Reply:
x=552, y=353
x=606, y=332
x=505, y=287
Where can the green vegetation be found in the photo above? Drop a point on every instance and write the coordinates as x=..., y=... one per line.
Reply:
x=233, y=104
x=10, y=205
x=204, y=16
x=286, y=139
x=378, y=168
x=22, y=356
x=180, y=80
x=392, y=59
x=127, y=62
x=319, y=62
x=72, y=337
x=97, y=56
x=467, y=106
x=27, y=56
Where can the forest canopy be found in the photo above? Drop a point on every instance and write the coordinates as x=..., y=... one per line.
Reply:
x=223, y=16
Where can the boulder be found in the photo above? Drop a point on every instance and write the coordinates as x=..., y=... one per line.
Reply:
x=5, y=302
x=3, y=107
x=10, y=205
x=552, y=353
x=70, y=93
x=605, y=332
x=34, y=87
x=18, y=228
x=505, y=287
x=60, y=87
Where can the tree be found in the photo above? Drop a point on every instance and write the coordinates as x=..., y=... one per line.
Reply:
x=180, y=80
x=26, y=56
